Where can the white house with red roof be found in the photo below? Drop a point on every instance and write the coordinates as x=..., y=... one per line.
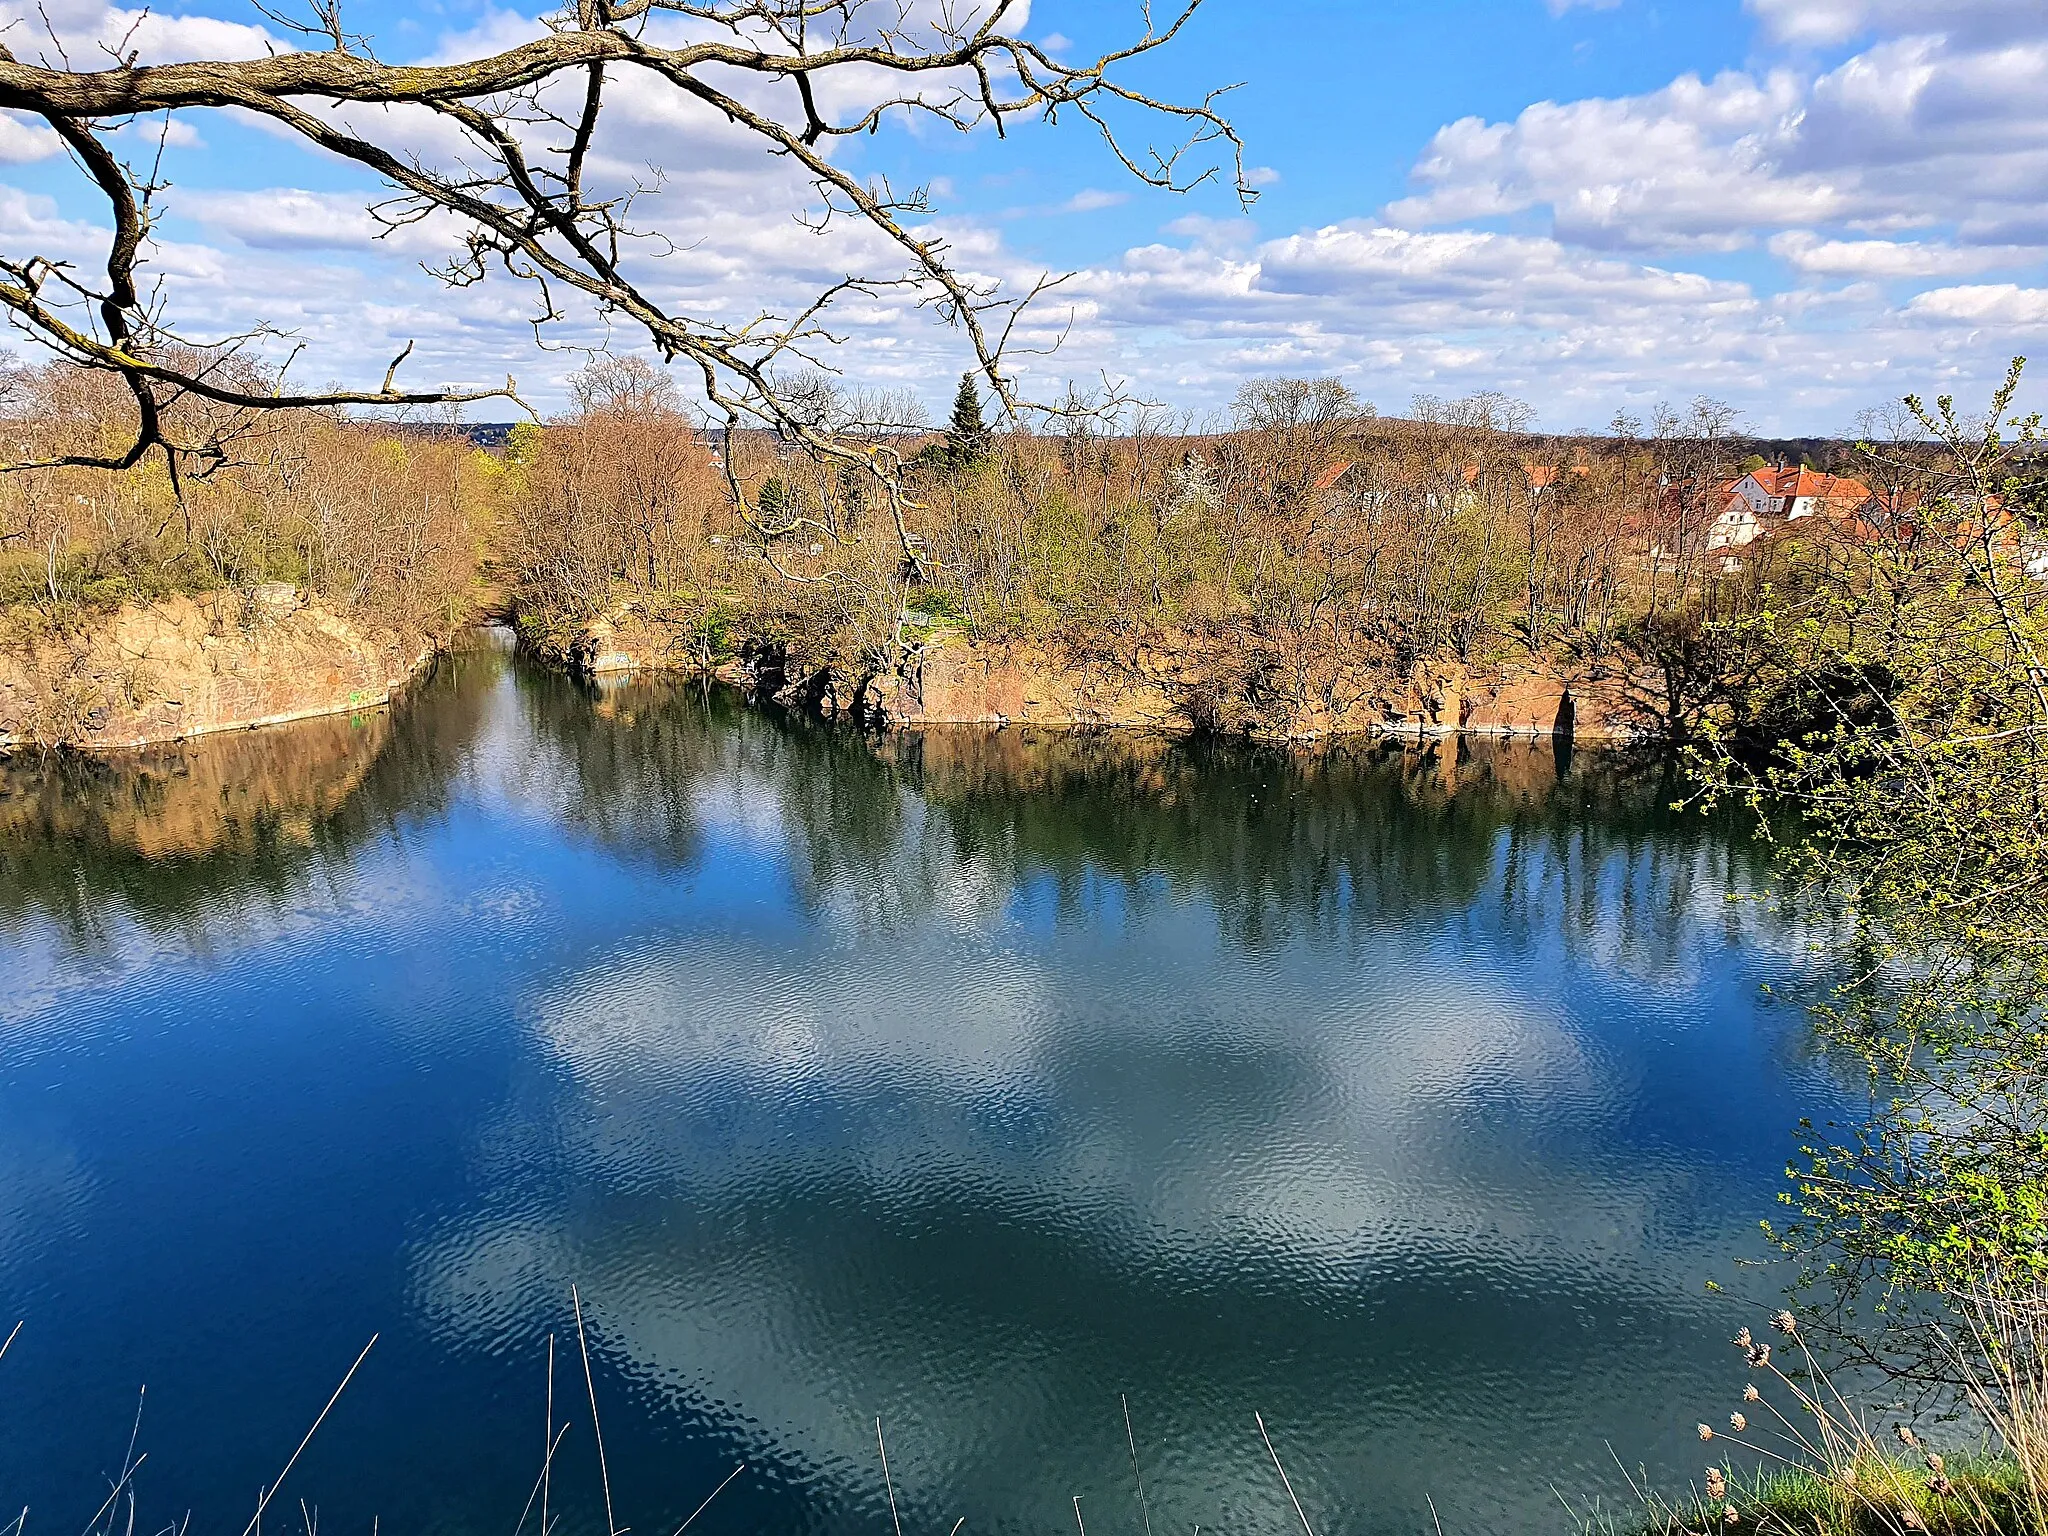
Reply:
x=1765, y=500
x=1795, y=493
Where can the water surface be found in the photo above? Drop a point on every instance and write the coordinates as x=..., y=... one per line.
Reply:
x=972, y=1081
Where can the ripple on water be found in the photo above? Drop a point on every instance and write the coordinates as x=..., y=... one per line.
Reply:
x=958, y=1082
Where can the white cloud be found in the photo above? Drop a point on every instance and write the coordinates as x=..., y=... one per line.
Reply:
x=1839, y=21
x=22, y=141
x=1919, y=158
x=1998, y=304
x=1690, y=165
x=1093, y=200
x=287, y=218
x=1812, y=254
x=1914, y=131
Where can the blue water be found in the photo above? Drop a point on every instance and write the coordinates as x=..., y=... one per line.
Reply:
x=972, y=1082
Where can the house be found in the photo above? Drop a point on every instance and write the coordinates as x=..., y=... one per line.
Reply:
x=1543, y=476
x=1767, y=500
x=1789, y=494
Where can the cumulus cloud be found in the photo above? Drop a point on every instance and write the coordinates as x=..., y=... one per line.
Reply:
x=1839, y=21
x=1914, y=131
x=22, y=141
x=1555, y=254
x=1690, y=165
x=1812, y=254
x=1998, y=304
x=288, y=218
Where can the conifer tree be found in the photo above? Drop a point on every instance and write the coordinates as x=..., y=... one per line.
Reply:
x=968, y=439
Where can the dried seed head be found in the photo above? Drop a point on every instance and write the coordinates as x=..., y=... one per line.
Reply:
x=1935, y=1464
x=1750, y=1393
x=1849, y=1475
x=1743, y=1339
x=1717, y=1484
x=1940, y=1487
x=1737, y=1422
x=1759, y=1356
x=1706, y=1431
x=1909, y=1517
x=1729, y=1517
x=1785, y=1323
x=1907, y=1437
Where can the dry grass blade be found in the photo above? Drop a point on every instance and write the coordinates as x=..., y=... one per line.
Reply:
x=263, y=1502
x=550, y=1441
x=539, y=1483
x=1131, y=1440
x=887, y=1481
x=2006, y=1362
x=114, y=1495
x=596, y=1430
x=1284, y=1483
x=735, y=1472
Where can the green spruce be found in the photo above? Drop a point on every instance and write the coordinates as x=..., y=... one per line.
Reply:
x=968, y=439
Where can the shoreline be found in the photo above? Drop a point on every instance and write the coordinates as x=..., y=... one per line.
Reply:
x=252, y=661
x=11, y=745
x=1172, y=682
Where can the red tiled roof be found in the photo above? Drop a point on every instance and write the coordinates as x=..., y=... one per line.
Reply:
x=1332, y=475
x=1811, y=484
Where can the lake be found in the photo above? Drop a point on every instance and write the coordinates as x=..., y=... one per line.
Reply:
x=1414, y=1098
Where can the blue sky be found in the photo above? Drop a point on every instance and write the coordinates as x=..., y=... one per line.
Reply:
x=1801, y=206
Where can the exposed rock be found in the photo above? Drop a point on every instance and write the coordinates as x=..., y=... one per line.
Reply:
x=187, y=666
x=1181, y=682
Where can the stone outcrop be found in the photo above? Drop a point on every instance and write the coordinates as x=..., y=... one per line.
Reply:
x=188, y=666
x=1214, y=682
x=1178, y=685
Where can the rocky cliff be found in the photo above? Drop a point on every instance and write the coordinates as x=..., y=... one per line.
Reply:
x=1219, y=681
x=188, y=666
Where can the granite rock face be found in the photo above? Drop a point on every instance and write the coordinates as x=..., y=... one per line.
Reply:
x=1167, y=681
x=188, y=666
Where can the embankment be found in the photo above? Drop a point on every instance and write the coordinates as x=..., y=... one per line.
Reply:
x=191, y=665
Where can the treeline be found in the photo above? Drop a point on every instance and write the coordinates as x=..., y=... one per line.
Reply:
x=1305, y=525
x=387, y=525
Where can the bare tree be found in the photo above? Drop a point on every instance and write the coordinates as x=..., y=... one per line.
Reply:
x=523, y=190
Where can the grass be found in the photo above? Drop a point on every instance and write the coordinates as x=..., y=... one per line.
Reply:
x=1819, y=1465
x=1985, y=1495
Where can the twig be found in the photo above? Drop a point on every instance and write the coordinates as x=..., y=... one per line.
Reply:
x=1077, y=1514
